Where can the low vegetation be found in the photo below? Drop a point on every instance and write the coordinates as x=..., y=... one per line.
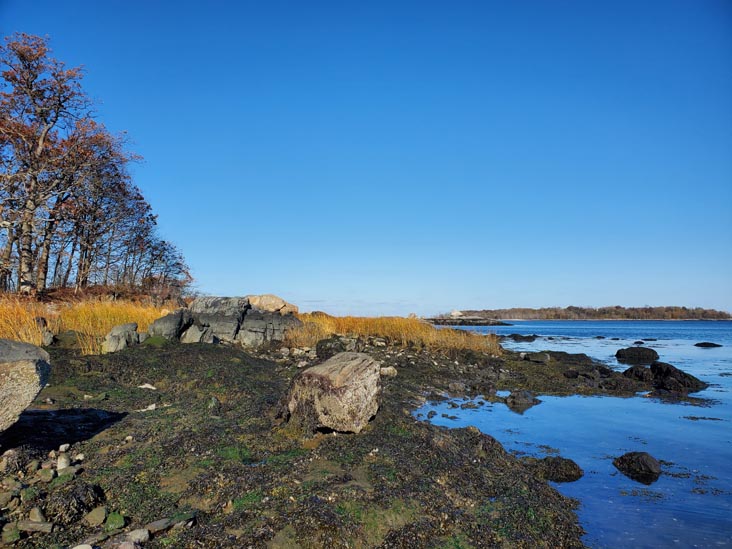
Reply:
x=91, y=320
x=396, y=330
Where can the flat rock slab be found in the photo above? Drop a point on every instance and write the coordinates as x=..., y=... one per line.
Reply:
x=24, y=371
x=340, y=394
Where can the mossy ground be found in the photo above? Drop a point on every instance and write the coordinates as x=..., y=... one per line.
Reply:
x=256, y=481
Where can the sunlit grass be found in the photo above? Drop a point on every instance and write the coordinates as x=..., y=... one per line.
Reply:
x=396, y=330
x=91, y=320
x=18, y=320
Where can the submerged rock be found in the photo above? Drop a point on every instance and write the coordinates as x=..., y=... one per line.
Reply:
x=636, y=355
x=520, y=401
x=706, y=344
x=639, y=466
x=522, y=338
x=24, y=371
x=341, y=394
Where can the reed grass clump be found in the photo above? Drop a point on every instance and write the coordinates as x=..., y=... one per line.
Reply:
x=397, y=330
x=18, y=320
x=90, y=319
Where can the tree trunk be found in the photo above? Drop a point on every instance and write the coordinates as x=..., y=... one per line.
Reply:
x=26, y=284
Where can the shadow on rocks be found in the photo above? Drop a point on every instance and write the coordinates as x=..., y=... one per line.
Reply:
x=48, y=429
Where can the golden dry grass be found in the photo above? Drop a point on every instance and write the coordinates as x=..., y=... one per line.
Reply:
x=18, y=320
x=397, y=330
x=91, y=320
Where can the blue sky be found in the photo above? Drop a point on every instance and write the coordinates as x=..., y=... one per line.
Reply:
x=396, y=157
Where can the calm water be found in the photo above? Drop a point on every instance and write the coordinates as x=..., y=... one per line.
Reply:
x=691, y=504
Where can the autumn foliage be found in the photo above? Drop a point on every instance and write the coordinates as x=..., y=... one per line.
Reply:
x=69, y=212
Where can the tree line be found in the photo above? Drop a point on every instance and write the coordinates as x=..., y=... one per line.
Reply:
x=70, y=215
x=602, y=313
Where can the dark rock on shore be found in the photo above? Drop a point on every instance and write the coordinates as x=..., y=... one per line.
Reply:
x=522, y=338
x=520, y=401
x=636, y=355
x=666, y=378
x=706, y=344
x=639, y=466
x=555, y=469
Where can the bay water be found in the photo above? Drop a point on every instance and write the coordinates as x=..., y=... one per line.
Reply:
x=691, y=503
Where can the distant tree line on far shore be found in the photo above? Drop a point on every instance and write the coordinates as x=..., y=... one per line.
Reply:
x=70, y=215
x=602, y=313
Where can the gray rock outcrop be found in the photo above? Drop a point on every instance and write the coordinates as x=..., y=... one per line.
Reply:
x=24, y=371
x=341, y=394
x=172, y=325
x=121, y=337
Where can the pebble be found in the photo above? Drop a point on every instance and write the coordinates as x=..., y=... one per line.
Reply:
x=141, y=535
x=36, y=515
x=96, y=516
x=79, y=457
x=83, y=546
x=129, y=438
x=63, y=461
x=64, y=447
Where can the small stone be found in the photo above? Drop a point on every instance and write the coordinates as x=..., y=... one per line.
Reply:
x=52, y=454
x=388, y=371
x=5, y=498
x=83, y=546
x=114, y=521
x=159, y=526
x=141, y=535
x=11, y=534
x=129, y=438
x=33, y=466
x=30, y=526
x=64, y=447
x=96, y=516
x=13, y=504
x=79, y=457
x=36, y=515
x=128, y=545
x=63, y=461
x=46, y=475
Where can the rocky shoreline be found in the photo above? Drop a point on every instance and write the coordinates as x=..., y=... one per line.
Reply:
x=166, y=444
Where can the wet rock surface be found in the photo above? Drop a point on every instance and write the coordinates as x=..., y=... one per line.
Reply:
x=555, y=468
x=666, y=378
x=636, y=355
x=707, y=344
x=639, y=466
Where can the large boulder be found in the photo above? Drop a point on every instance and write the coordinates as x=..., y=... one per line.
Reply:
x=224, y=306
x=172, y=325
x=221, y=316
x=639, y=466
x=121, y=337
x=341, y=394
x=271, y=304
x=665, y=377
x=636, y=355
x=260, y=328
x=24, y=371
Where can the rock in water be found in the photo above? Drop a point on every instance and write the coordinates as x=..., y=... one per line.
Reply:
x=520, y=401
x=24, y=371
x=341, y=394
x=670, y=378
x=556, y=469
x=639, y=466
x=706, y=344
x=636, y=355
